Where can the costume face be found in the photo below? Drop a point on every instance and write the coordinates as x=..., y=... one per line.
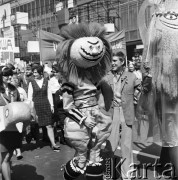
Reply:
x=87, y=51
x=161, y=45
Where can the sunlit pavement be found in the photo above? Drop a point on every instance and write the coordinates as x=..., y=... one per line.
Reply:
x=45, y=164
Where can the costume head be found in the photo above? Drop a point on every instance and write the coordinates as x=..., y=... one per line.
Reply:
x=84, y=52
x=161, y=43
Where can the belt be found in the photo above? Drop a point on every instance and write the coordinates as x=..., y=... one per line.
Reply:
x=86, y=102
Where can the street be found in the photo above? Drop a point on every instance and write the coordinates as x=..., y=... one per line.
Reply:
x=45, y=164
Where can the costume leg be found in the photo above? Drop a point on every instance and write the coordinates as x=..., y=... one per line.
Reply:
x=95, y=168
x=77, y=165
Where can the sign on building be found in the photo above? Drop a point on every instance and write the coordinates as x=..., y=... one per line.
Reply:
x=6, y=50
x=5, y=14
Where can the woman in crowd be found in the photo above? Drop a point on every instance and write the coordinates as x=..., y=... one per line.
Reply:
x=23, y=96
x=40, y=93
x=9, y=140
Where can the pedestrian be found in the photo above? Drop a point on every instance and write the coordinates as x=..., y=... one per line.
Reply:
x=40, y=93
x=9, y=140
x=125, y=85
x=23, y=96
x=59, y=114
x=26, y=77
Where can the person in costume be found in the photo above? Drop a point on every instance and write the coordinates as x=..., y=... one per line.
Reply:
x=84, y=57
x=160, y=53
x=10, y=115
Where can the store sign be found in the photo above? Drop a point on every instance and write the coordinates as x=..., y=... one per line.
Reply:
x=5, y=15
x=117, y=41
x=9, y=32
x=6, y=44
x=80, y=2
x=6, y=50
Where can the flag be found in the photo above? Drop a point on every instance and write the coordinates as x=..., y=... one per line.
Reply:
x=118, y=42
x=48, y=44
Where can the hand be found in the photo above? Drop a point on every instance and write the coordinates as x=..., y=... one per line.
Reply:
x=52, y=109
x=116, y=103
x=89, y=122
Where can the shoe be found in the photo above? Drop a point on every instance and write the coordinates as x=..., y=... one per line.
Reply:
x=28, y=138
x=19, y=157
x=56, y=148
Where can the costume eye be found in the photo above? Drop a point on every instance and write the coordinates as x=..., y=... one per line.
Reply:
x=99, y=47
x=91, y=47
x=170, y=16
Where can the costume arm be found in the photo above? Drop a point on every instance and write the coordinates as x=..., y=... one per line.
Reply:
x=105, y=95
x=30, y=92
x=68, y=104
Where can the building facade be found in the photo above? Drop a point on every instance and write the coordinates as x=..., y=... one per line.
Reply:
x=49, y=14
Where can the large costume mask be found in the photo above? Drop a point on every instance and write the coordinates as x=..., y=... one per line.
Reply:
x=161, y=43
x=87, y=51
x=84, y=52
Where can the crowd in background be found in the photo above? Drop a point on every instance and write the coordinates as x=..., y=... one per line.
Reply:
x=43, y=87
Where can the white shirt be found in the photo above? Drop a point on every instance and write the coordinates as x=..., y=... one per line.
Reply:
x=40, y=83
x=54, y=84
x=138, y=74
x=23, y=94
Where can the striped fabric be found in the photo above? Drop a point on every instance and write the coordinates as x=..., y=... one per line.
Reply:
x=76, y=115
x=67, y=87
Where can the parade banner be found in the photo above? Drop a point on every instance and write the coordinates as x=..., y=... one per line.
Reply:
x=7, y=46
x=118, y=42
x=48, y=43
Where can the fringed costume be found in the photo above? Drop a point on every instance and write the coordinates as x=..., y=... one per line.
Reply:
x=160, y=52
x=84, y=57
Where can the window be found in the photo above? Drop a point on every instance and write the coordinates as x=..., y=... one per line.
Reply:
x=48, y=29
x=13, y=11
x=29, y=10
x=124, y=17
x=52, y=5
x=25, y=7
x=21, y=9
x=42, y=7
x=33, y=9
x=38, y=7
x=47, y=6
x=17, y=9
x=132, y=16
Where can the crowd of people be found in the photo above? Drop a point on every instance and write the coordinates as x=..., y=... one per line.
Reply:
x=46, y=93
